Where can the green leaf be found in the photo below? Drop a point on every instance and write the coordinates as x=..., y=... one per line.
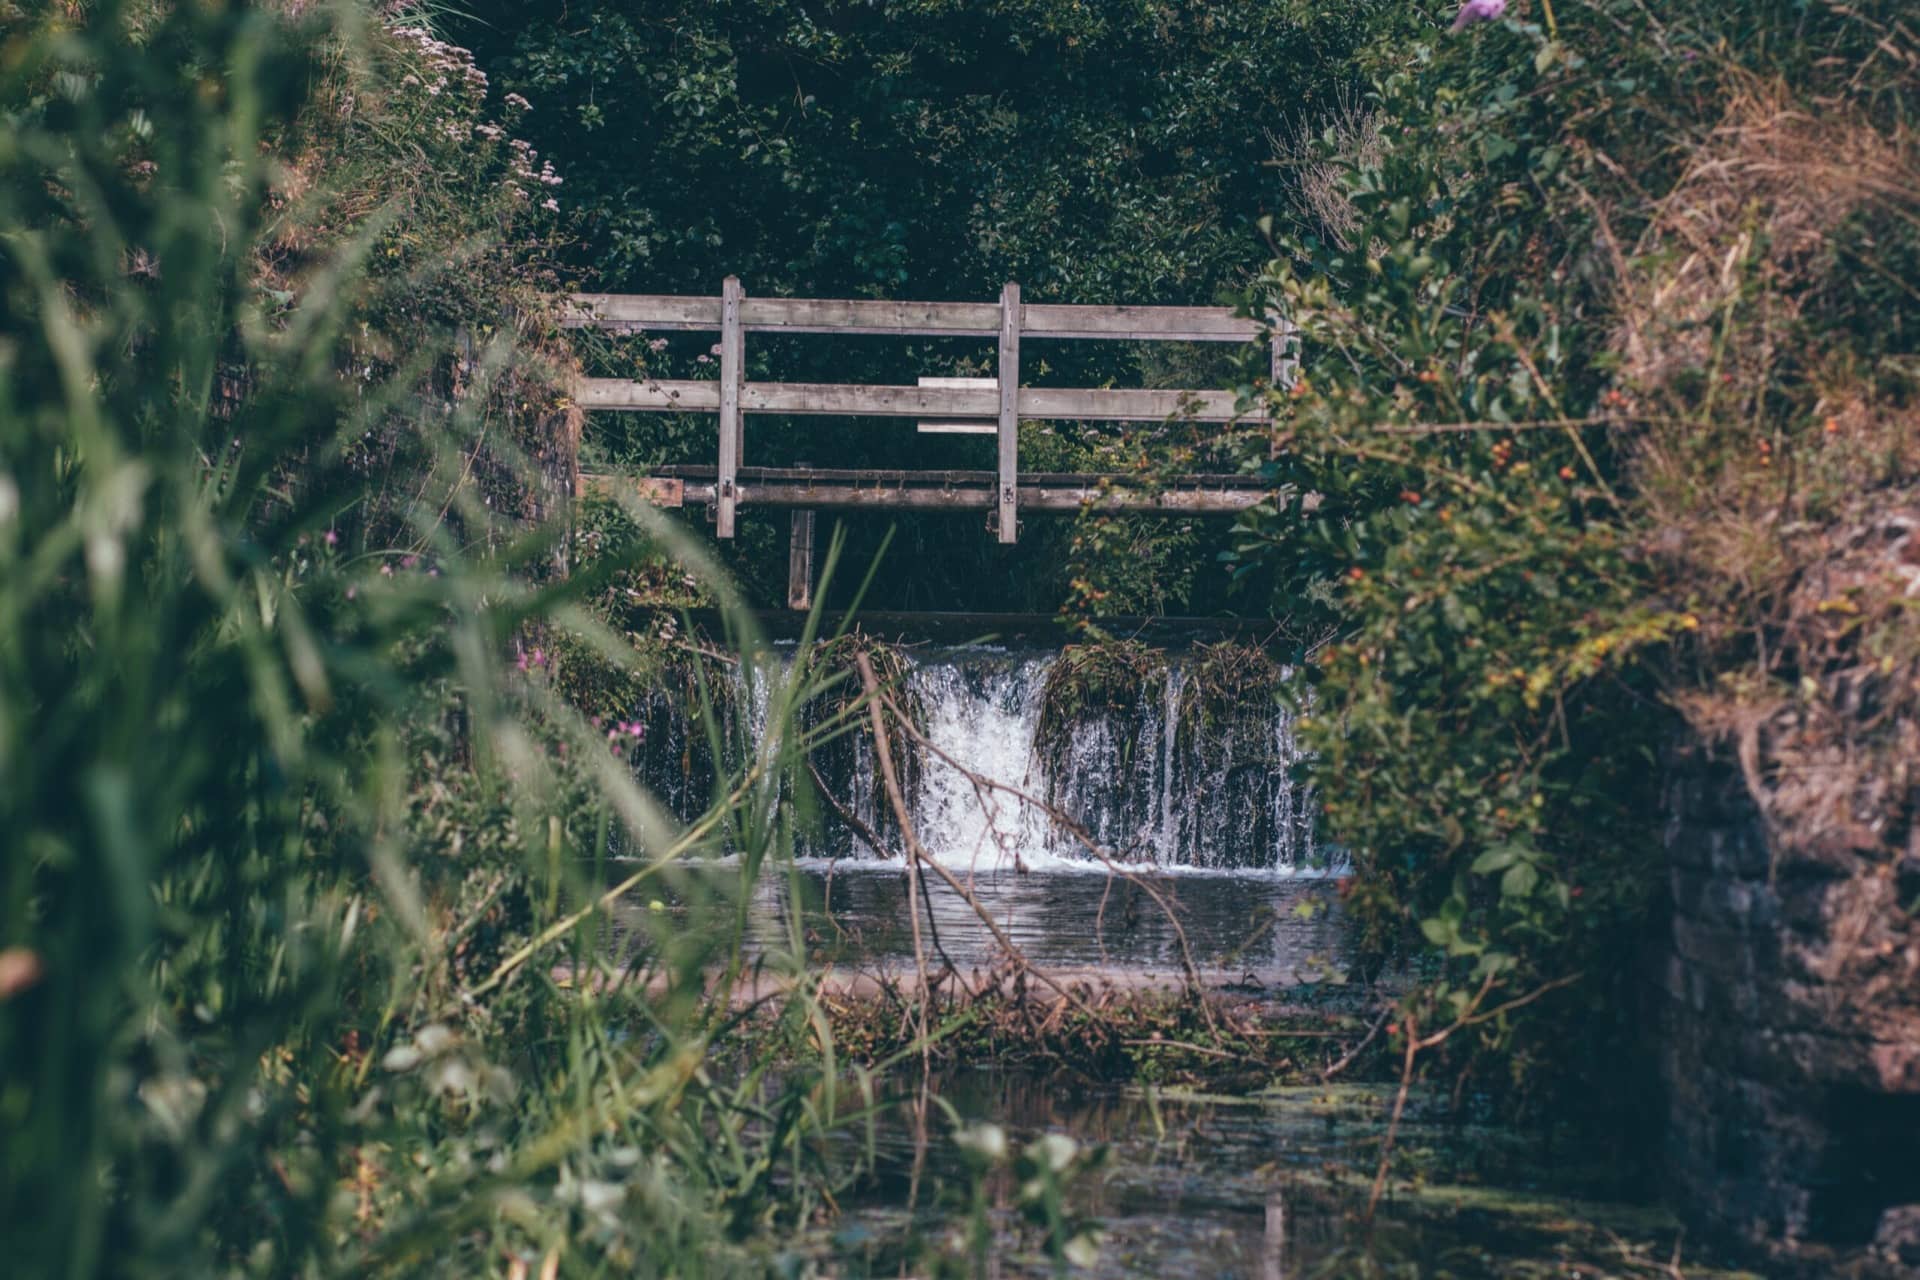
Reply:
x=1519, y=881
x=1498, y=858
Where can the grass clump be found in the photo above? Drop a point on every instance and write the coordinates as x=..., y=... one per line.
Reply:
x=299, y=859
x=1102, y=680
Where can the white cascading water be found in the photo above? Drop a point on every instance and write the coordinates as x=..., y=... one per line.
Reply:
x=1218, y=795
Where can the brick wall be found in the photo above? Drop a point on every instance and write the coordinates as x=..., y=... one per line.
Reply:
x=1790, y=1036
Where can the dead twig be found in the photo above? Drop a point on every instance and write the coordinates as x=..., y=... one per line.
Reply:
x=874, y=698
x=1352, y=1055
x=871, y=839
x=983, y=784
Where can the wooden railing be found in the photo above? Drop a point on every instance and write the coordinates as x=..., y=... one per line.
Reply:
x=734, y=315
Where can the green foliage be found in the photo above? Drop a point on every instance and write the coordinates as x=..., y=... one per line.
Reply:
x=1093, y=152
x=1104, y=679
x=303, y=883
x=1489, y=471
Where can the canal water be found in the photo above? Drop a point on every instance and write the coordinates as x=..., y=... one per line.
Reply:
x=1204, y=805
x=1175, y=1183
x=1270, y=1187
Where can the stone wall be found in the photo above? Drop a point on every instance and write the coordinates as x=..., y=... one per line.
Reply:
x=1790, y=1033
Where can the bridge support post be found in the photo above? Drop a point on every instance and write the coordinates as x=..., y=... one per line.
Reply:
x=800, y=562
x=1006, y=507
x=1286, y=354
x=733, y=351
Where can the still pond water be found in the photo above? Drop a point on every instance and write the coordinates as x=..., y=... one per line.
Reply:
x=1269, y=1186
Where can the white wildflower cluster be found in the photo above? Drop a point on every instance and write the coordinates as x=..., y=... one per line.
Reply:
x=442, y=68
x=453, y=91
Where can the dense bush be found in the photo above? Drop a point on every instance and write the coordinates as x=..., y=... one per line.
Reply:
x=1596, y=357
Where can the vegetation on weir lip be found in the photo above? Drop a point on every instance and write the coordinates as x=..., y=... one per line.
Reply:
x=1105, y=680
x=1100, y=1036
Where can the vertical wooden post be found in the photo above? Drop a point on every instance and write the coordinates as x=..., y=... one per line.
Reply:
x=733, y=351
x=1007, y=505
x=1286, y=354
x=800, y=563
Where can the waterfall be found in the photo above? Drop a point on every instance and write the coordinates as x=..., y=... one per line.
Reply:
x=1162, y=778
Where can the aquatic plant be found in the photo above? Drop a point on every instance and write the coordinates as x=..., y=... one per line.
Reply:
x=1102, y=679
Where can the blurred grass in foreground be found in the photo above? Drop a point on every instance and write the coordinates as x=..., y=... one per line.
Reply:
x=298, y=918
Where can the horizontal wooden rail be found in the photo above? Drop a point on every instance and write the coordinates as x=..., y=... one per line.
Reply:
x=1003, y=402
x=946, y=478
x=1103, y=404
x=636, y=312
x=933, y=491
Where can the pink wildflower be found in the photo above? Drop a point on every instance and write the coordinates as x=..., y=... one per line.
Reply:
x=1478, y=11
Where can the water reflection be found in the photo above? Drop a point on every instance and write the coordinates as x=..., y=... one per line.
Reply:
x=1258, y=929
x=1266, y=1188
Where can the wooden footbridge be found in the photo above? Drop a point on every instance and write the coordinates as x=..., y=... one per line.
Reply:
x=994, y=406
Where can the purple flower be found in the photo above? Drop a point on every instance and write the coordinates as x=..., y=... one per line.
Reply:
x=333, y=538
x=1478, y=11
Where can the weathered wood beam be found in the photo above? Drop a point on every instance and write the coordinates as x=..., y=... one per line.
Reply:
x=827, y=315
x=644, y=312
x=1030, y=498
x=800, y=560
x=634, y=312
x=1162, y=324
x=1125, y=404
x=732, y=378
x=1102, y=404
x=1006, y=511
x=980, y=494
x=638, y=312
x=653, y=395
x=949, y=477
x=1286, y=355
